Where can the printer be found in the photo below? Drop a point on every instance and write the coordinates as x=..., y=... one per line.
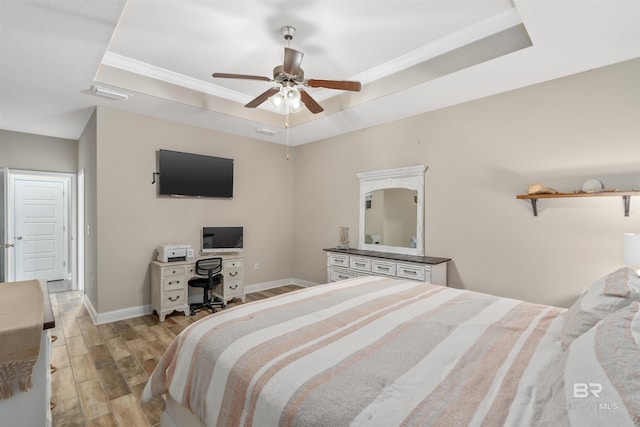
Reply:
x=175, y=252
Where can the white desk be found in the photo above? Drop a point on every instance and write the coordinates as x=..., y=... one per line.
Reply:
x=170, y=287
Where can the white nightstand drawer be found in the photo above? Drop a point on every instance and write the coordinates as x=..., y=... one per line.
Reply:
x=173, y=271
x=361, y=264
x=174, y=298
x=173, y=283
x=383, y=267
x=411, y=271
x=339, y=259
x=339, y=274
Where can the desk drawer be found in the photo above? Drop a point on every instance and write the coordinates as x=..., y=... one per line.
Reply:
x=339, y=259
x=233, y=288
x=383, y=267
x=174, y=298
x=173, y=271
x=411, y=271
x=360, y=264
x=233, y=274
x=235, y=263
x=173, y=283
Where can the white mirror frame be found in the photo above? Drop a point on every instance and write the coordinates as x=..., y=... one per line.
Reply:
x=411, y=178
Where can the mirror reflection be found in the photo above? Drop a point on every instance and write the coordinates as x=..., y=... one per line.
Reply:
x=391, y=217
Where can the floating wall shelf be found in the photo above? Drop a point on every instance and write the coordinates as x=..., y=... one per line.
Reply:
x=626, y=197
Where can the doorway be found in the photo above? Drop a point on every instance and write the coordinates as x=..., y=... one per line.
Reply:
x=40, y=218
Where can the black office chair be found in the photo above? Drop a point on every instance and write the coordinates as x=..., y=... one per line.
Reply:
x=209, y=267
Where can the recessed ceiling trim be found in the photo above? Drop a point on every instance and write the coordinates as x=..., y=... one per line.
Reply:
x=138, y=67
x=495, y=24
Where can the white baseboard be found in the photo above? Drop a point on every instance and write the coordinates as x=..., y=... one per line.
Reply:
x=143, y=310
x=115, y=315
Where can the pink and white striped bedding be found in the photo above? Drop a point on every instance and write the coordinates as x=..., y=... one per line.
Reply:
x=370, y=351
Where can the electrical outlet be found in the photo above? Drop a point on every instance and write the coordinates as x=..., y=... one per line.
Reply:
x=256, y=265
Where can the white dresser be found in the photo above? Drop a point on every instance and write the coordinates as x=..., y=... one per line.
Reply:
x=170, y=284
x=349, y=263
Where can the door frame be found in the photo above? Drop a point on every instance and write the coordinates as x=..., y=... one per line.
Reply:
x=70, y=208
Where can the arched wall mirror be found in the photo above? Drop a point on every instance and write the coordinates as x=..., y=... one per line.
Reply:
x=392, y=210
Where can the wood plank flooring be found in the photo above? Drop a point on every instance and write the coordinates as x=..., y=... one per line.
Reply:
x=100, y=371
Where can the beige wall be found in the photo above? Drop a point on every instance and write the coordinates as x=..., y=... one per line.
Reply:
x=480, y=155
x=132, y=220
x=37, y=153
x=87, y=162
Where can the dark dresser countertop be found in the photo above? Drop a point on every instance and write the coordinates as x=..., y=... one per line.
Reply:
x=390, y=255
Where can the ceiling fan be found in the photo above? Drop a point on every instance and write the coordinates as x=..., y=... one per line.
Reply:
x=289, y=75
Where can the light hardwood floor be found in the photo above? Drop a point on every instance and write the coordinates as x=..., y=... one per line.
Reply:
x=100, y=371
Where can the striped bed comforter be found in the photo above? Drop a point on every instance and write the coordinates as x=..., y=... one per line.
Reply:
x=370, y=351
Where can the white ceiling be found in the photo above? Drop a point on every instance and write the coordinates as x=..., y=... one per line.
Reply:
x=411, y=56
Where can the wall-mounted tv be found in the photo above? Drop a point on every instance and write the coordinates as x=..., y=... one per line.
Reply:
x=222, y=239
x=195, y=175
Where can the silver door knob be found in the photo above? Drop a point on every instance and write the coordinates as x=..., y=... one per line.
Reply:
x=19, y=238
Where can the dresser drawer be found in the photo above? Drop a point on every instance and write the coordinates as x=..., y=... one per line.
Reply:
x=340, y=274
x=359, y=263
x=383, y=267
x=174, y=271
x=174, y=298
x=173, y=283
x=411, y=271
x=339, y=259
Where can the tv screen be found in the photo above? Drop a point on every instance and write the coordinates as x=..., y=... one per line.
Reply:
x=222, y=239
x=196, y=175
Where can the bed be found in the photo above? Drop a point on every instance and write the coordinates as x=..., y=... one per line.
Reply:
x=374, y=351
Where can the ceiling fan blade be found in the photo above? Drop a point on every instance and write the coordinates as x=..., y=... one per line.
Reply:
x=262, y=97
x=335, y=84
x=311, y=103
x=241, y=76
x=292, y=61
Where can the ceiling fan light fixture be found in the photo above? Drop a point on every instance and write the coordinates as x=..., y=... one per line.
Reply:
x=277, y=100
x=288, y=100
x=293, y=95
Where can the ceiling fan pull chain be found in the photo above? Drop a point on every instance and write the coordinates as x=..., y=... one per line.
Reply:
x=286, y=129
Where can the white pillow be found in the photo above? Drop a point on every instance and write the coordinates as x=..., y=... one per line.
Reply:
x=602, y=372
x=607, y=295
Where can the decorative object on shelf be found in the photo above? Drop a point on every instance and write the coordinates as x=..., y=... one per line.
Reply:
x=536, y=188
x=343, y=238
x=631, y=250
x=593, y=186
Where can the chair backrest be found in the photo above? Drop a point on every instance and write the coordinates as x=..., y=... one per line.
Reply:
x=208, y=266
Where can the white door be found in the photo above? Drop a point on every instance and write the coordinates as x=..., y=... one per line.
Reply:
x=39, y=229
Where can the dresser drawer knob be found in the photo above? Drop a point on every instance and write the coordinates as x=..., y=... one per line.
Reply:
x=233, y=274
x=383, y=268
x=233, y=287
x=410, y=272
x=174, y=299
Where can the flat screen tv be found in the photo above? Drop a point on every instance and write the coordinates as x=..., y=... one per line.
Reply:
x=222, y=239
x=195, y=175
